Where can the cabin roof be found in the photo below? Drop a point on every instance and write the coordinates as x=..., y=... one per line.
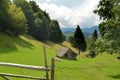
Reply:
x=63, y=51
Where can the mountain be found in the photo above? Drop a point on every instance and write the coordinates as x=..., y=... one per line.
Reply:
x=87, y=31
x=90, y=30
x=68, y=30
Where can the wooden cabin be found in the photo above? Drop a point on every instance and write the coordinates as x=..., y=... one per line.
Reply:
x=66, y=53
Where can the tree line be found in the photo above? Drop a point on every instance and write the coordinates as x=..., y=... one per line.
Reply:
x=109, y=31
x=109, y=12
x=19, y=17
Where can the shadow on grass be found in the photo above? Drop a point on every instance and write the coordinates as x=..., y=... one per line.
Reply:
x=115, y=76
x=22, y=43
x=8, y=44
x=68, y=59
x=49, y=43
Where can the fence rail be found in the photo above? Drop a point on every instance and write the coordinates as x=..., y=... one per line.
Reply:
x=19, y=76
x=39, y=68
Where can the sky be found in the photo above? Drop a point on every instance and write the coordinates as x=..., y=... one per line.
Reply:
x=71, y=13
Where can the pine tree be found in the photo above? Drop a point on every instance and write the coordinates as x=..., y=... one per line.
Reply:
x=95, y=35
x=91, y=43
x=79, y=40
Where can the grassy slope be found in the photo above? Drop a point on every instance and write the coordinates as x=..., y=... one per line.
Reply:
x=26, y=50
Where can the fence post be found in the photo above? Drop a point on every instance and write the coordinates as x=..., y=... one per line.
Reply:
x=52, y=68
x=45, y=60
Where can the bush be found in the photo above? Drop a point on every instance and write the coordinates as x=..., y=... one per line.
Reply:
x=118, y=58
x=91, y=54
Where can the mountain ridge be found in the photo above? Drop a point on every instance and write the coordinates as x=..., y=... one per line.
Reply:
x=85, y=30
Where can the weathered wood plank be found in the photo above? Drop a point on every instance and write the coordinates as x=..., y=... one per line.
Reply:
x=45, y=61
x=5, y=77
x=52, y=68
x=21, y=76
x=25, y=66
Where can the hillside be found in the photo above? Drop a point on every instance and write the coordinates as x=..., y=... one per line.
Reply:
x=27, y=50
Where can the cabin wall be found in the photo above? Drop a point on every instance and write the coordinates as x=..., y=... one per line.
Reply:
x=69, y=55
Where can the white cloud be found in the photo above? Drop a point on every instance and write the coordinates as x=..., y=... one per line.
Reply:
x=71, y=16
x=48, y=1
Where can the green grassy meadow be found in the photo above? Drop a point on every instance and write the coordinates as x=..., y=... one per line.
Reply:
x=27, y=50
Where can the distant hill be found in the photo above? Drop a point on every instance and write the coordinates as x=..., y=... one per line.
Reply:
x=90, y=30
x=68, y=30
x=87, y=31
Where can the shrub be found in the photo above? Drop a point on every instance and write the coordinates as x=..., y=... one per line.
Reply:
x=91, y=54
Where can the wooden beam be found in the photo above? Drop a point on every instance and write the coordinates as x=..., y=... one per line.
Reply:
x=25, y=66
x=45, y=61
x=21, y=76
x=52, y=68
x=5, y=77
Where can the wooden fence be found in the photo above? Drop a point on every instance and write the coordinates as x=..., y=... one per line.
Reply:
x=39, y=68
